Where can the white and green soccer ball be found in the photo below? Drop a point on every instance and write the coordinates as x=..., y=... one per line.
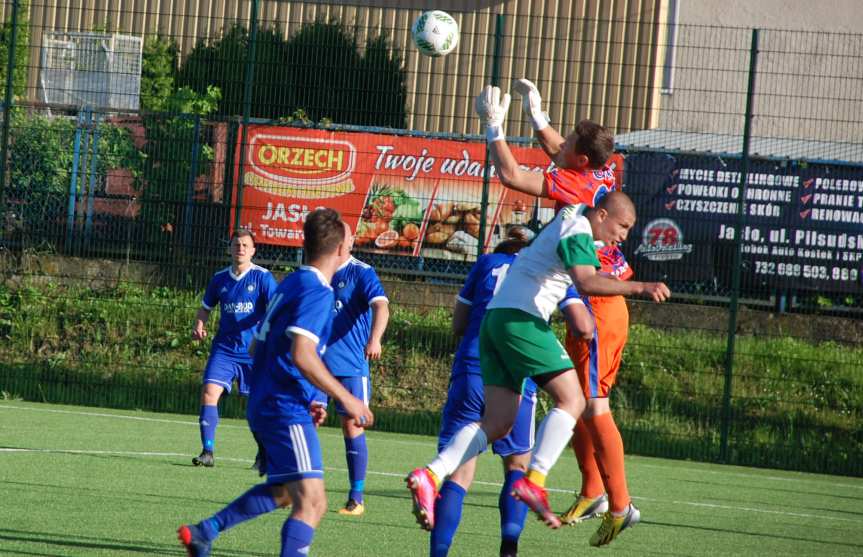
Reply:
x=435, y=33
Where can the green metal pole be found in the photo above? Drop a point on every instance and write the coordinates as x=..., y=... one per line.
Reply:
x=247, y=107
x=7, y=106
x=738, y=255
x=495, y=80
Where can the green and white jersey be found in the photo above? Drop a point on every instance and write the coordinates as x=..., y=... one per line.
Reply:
x=538, y=279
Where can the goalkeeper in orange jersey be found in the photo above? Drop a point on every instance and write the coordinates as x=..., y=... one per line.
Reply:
x=597, y=442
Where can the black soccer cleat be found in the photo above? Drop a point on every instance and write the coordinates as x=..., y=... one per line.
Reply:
x=204, y=459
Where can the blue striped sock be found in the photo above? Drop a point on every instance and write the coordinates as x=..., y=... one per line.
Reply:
x=447, y=513
x=296, y=538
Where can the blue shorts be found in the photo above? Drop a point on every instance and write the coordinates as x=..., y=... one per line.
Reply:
x=359, y=386
x=223, y=368
x=293, y=453
x=465, y=403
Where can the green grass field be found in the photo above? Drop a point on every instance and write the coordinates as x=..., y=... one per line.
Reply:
x=87, y=481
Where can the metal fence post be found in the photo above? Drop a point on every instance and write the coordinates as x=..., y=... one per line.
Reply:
x=193, y=174
x=486, y=176
x=7, y=106
x=738, y=257
x=247, y=107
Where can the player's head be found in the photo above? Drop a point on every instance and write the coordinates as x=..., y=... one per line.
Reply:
x=517, y=237
x=242, y=246
x=612, y=218
x=589, y=146
x=326, y=235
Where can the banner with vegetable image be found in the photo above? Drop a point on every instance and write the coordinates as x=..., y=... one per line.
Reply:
x=401, y=195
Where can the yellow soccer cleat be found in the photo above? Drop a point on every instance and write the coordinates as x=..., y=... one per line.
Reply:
x=585, y=508
x=612, y=526
x=352, y=508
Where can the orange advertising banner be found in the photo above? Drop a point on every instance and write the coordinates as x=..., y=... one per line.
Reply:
x=401, y=195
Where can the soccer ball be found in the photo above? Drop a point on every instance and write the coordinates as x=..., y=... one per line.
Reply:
x=435, y=33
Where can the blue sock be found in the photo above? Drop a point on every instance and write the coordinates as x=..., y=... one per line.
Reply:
x=209, y=420
x=255, y=502
x=512, y=511
x=357, y=454
x=447, y=514
x=296, y=538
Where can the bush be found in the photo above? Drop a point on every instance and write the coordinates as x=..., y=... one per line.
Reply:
x=319, y=70
x=41, y=161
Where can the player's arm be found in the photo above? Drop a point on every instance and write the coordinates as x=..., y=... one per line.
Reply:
x=577, y=316
x=380, y=319
x=460, y=318
x=492, y=109
x=305, y=356
x=589, y=282
x=531, y=103
x=199, y=331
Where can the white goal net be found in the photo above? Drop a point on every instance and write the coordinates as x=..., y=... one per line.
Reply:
x=96, y=70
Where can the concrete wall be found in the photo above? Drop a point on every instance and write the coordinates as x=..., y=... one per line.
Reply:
x=808, y=73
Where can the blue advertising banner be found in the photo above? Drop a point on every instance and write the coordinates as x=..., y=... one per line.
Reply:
x=803, y=226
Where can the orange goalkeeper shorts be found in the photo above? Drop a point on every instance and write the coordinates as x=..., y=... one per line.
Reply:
x=597, y=360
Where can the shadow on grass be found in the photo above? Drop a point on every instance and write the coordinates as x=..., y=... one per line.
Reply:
x=754, y=534
x=95, y=543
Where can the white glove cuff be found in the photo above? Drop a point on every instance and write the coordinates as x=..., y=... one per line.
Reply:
x=494, y=133
x=539, y=120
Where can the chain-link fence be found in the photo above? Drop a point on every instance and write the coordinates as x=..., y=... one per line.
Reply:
x=136, y=139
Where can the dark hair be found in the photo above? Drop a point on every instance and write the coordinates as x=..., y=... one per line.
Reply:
x=323, y=232
x=243, y=233
x=594, y=141
x=517, y=237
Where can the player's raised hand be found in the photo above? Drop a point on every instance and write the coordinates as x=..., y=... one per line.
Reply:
x=491, y=106
x=373, y=350
x=657, y=290
x=531, y=102
x=199, y=332
x=359, y=412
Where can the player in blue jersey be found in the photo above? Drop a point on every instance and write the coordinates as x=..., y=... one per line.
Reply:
x=288, y=372
x=361, y=316
x=465, y=404
x=241, y=292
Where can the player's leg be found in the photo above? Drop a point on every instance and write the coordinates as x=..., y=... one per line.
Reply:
x=356, y=449
x=466, y=444
x=609, y=454
x=515, y=450
x=552, y=438
x=591, y=500
x=309, y=505
x=448, y=508
x=293, y=454
x=472, y=439
x=218, y=378
x=464, y=405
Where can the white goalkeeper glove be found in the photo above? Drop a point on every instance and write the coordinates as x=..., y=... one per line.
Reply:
x=531, y=103
x=492, y=109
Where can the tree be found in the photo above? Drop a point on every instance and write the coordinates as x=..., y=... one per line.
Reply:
x=22, y=49
x=319, y=70
x=158, y=71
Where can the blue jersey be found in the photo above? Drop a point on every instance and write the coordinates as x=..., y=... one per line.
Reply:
x=356, y=286
x=243, y=301
x=280, y=394
x=482, y=282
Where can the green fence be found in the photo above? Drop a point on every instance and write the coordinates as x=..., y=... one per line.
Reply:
x=125, y=135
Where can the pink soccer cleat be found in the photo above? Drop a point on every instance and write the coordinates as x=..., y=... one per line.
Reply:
x=424, y=493
x=536, y=498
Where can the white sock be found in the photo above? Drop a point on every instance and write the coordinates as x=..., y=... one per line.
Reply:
x=552, y=437
x=466, y=444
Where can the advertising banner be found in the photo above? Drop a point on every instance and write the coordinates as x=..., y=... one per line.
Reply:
x=803, y=227
x=401, y=195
